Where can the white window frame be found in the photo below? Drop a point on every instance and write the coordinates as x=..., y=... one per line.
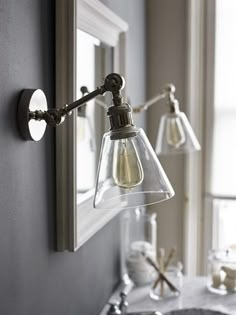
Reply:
x=194, y=178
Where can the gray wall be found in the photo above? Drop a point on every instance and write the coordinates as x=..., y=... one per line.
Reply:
x=34, y=279
x=133, y=11
x=166, y=28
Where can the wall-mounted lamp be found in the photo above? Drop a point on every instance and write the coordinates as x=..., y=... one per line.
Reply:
x=129, y=173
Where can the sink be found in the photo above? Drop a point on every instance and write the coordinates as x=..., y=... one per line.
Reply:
x=195, y=311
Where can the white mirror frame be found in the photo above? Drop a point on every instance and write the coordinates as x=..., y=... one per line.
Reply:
x=77, y=223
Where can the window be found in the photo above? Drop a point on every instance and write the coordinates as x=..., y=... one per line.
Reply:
x=210, y=209
x=224, y=149
x=223, y=160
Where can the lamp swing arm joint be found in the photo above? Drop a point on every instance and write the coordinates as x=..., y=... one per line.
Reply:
x=56, y=116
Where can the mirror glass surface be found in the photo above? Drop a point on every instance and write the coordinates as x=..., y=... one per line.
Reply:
x=94, y=62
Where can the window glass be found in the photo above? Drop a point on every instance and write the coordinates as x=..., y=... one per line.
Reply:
x=224, y=139
x=223, y=180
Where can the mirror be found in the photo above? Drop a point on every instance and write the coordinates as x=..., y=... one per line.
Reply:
x=86, y=142
x=94, y=61
x=90, y=43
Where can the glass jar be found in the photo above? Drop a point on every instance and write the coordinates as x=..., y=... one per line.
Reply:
x=138, y=233
x=222, y=271
x=175, y=276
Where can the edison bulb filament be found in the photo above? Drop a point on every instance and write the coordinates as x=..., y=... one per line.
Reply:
x=127, y=168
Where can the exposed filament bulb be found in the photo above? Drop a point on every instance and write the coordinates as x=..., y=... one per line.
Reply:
x=127, y=168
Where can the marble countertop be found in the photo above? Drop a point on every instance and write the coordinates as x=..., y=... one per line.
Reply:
x=194, y=295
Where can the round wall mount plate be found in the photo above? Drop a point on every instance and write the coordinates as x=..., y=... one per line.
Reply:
x=31, y=100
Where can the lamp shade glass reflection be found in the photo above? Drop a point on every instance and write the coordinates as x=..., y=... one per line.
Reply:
x=130, y=174
x=176, y=135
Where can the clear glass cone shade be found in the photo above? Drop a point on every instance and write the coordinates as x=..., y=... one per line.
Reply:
x=176, y=135
x=130, y=174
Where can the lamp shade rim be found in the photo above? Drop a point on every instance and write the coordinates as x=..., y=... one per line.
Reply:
x=112, y=202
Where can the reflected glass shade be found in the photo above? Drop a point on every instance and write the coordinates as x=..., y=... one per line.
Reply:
x=129, y=174
x=176, y=135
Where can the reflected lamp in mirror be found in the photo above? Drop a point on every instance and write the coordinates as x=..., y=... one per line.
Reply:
x=129, y=173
